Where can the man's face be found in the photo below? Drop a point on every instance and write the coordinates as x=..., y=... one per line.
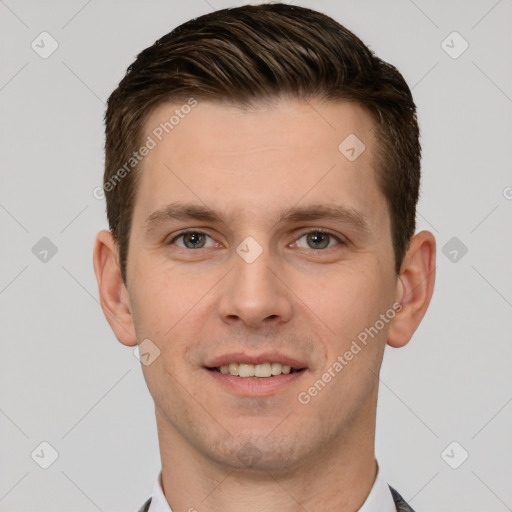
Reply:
x=264, y=288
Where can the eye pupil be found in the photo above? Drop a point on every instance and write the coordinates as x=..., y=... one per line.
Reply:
x=194, y=238
x=318, y=237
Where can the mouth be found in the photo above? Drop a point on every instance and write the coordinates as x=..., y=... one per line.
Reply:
x=256, y=376
x=255, y=371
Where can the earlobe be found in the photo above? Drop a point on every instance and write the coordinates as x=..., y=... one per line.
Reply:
x=114, y=297
x=414, y=288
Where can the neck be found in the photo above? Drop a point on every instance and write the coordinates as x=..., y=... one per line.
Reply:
x=340, y=478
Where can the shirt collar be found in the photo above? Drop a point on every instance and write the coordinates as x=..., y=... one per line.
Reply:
x=380, y=498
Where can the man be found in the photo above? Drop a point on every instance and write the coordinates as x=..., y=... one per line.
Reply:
x=262, y=174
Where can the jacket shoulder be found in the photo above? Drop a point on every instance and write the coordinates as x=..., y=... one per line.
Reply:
x=145, y=507
x=401, y=504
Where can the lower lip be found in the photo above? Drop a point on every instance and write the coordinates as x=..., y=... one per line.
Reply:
x=256, y=387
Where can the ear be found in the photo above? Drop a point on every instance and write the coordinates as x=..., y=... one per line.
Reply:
x=114, y=298
x=414, y=288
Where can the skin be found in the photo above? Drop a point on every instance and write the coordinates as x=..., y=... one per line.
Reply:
x=307, y=302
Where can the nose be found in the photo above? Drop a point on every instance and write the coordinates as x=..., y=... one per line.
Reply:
x=255, y=293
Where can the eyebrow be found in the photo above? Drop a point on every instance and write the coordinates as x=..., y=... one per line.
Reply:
x=190, y=211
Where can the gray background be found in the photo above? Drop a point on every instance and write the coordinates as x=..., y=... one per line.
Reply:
x=67, y=381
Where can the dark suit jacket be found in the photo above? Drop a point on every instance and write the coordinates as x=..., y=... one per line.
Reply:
x=401, y=505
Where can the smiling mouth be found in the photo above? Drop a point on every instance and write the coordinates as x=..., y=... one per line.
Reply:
x=255, y=371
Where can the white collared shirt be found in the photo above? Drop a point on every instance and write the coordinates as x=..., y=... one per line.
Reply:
x=379, y=499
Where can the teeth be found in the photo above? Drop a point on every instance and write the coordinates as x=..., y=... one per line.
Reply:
x=276, y=368
x=246, y=370
x=255, y=371
x=262, y=370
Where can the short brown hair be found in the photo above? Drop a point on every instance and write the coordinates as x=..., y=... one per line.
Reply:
x=255, y=53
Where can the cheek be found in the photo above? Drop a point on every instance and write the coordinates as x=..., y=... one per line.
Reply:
x=170, y=308
x=162, y=298
x=345, y=300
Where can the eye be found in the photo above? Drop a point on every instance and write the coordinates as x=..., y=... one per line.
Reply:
x=192, y=240
x=318, y=239
x=315, y=240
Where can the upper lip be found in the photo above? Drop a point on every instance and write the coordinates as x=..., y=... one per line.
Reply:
x=244, y=358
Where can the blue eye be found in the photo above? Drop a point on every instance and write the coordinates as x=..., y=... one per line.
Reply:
x=192, y=239
x=315, y=239
x=319, y=239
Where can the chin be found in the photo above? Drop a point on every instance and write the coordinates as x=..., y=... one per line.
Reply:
x=256, y=452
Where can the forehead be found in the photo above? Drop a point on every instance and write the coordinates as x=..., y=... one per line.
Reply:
x=225, y=129
x=262, y=158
